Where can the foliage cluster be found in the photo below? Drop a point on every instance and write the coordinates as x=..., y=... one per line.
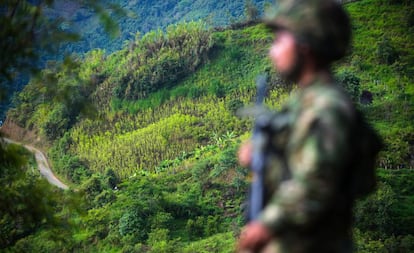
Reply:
x=31, y=34
x=54, y=100
x=384, y=220
x=29, y=203
x=160, y=59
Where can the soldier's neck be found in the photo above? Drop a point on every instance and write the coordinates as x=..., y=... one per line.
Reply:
x=309, y=75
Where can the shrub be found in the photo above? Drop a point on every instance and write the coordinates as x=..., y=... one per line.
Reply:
x=350, y=82
x=56, y=124
x=386, y=52
x=159, y=59
x=133, y=222
x=217, y=89
x=195, y=228
x=374, y=213
x=111, y=178
x=234, y=104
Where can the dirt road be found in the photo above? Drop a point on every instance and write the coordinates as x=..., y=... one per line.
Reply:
x=43, y=165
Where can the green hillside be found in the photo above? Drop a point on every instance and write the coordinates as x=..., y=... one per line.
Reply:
x=148, y=135
x=76, y=27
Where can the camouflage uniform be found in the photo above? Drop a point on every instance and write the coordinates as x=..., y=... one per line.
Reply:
x=307, y=204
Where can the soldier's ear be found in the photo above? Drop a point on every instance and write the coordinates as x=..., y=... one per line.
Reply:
x=309, y=57
x=305, y=50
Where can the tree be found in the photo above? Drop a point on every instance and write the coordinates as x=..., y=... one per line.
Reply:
x=351, y=83
x=251, y=11
x=374, y=213
x=27, y=202
x=92, y=188
x=111, y=178
x=386, y=52
x=28, y=34
x=27, y=31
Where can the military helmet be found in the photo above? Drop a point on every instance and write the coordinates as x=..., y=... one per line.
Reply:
x=322, y=24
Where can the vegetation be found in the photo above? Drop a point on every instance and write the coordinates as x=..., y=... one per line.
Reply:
x=158, y=59
x=154, y=162
x=29, y=204
x=31, y=34
x=146, y=16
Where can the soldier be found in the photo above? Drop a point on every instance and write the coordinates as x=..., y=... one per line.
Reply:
x=308, y=203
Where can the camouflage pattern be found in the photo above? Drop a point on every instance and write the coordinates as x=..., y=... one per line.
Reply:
x=322, y=24
x=307, y=204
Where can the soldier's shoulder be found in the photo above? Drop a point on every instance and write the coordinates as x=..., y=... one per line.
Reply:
x=325, y=99
x=327, y=95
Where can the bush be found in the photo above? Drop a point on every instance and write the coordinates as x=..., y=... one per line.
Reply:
x=161, y=220
x=105, y=197
x=217, y=89
x=213, y=225
x=223, y=243
x=158, y=241
x=111, y=178
x=409, y=16
x=234, y=104
x=56, y=124
x=92, y=188
x=386, y=52
x=195, y=228
x=374, y=213
x=350, y=82
x=133, y=222
x=158, y=60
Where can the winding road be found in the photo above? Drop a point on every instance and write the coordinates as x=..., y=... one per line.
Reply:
x=43, y=165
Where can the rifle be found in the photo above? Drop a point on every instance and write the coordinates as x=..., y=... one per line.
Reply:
x=257, y=164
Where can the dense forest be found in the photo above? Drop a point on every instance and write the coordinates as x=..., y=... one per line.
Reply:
x=146, y=138
x=83, y=30
x=145, y=16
